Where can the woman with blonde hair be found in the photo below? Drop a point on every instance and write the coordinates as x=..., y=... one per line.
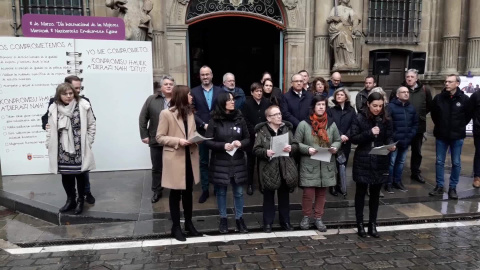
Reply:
x=181, y=162
x=70, y=135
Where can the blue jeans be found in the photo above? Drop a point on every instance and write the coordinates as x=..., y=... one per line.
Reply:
x=87, y=182
x=237, y=199
x=456, y=151
x=204, y=153
x=397, y=161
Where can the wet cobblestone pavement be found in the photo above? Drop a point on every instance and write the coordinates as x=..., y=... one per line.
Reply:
x=438, y=248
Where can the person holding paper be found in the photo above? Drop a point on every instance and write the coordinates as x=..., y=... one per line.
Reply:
x=405, y=125
x=70, y=135
x=181, y=168
x=273, y=172
x=228, y=167
x=148, y=124
x=342, y=114
x=371, y=128
x=254, y=113
x=318, y=131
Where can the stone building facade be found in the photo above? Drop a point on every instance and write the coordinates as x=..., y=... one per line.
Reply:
x=447, y=31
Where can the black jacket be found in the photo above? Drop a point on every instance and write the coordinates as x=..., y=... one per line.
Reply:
x=294, y=108
x=149, y=118
x=405, y=122
x=361, y=100
x=332, y=88
x=342, y=118
x=202, y=112
x=370, y=169
x=421, y=100
x=226, y=129
x=254, y=114
x=45, y=116
x=474, y=107
x=275, y=97
x=450, y=114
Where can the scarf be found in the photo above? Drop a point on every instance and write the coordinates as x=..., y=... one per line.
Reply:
x=319, y=128
x=65, y=114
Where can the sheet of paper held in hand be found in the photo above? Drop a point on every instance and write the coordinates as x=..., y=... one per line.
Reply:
x=277, y=144
x=198, y=138
x=322, y=154
x=231, y=153
x=382, y=150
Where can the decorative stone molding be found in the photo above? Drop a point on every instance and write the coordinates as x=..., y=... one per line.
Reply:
x=158, y=49
x=450, y=55
x=473, y=55
x=177, y=52
x=290, y=4
x=183, y=2
x=321, y=63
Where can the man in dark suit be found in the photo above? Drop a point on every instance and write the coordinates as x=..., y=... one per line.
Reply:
x=296, y=102
x=204, y=101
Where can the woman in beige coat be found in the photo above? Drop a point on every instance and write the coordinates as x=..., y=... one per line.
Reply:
x=180, y=158
x=70, y=135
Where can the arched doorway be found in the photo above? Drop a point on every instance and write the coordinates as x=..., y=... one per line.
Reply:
x=244, y=46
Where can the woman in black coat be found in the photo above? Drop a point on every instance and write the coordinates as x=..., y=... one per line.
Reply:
x=371, y=128
x=229, y=131
x=343, y=115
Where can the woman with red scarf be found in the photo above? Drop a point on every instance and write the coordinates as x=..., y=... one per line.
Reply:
x=318, y=131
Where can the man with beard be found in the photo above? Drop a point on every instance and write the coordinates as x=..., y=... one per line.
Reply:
x=421, y=99
x=361, y=99
x=204, y=100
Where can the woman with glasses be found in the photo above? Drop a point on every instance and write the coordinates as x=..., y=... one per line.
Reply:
x=275, y=172
x=230, y=136
x=371, y=128
x=318, y=131
x=181, y=165
x=70, y=135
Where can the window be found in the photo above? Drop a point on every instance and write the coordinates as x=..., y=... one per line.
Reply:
x=394, y=21
x=58, y=7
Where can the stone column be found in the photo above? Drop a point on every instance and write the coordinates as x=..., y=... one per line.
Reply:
x=177, y=52
x=473, y=49
x=451, y=36
x=295, y=46
x=158, y=39
x=321, y=51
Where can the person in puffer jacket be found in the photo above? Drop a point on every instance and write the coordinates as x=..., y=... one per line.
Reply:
x=405, y=125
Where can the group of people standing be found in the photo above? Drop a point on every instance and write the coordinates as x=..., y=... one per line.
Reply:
x=240, y=131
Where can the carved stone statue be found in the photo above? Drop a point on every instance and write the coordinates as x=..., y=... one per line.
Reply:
x=343, y=25
x=135, y=14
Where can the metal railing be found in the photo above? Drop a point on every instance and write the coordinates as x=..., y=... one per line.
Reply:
x=394, y=21
x=57, y=7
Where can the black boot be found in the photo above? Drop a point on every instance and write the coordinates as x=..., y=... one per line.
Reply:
x=190, y=229
x=250, y=190
x=333, y=191
x=372, y=230
x=177, y=233
x=79, y=208
x=69, y=205
x=361, y=230
x=223, y=227
x=339, y=190
x=241, y=227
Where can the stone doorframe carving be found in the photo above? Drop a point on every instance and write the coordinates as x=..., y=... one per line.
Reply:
x=294, y=13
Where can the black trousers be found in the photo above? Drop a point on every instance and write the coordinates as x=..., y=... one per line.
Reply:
x=68, y=182
x=416, y=158
x=185, y=196
x=156, y=155
x=283, y=195
x=476, y=158
x=360, y=192
x=251, y=161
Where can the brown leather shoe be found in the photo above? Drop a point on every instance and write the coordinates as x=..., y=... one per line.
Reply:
x=476, y=182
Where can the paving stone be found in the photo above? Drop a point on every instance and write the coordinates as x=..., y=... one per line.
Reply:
x=270, y=265
x=378, y=265
x=265, y=252
x=48, y=261
x=214, y=255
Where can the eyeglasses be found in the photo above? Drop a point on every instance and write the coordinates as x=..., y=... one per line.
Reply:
x=275, y=115
x=336, y=80
x=298, y=81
